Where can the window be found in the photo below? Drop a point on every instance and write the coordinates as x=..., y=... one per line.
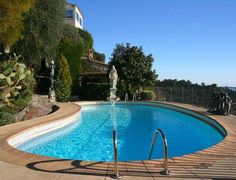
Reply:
x=81, y=21
x=77, y=17
x=69, y=13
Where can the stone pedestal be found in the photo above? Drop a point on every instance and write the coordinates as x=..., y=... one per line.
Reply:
x=113, y=96
x=113, y=93
x=52, y=96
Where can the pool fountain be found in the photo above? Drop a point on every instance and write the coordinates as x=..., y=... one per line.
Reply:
x=134, y=97
x=126, y=97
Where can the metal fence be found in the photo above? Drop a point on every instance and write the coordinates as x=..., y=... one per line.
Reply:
x=194, y=96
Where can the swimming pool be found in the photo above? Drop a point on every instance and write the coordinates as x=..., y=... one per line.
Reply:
x=90, y=137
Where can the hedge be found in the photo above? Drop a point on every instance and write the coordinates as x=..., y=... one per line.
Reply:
x=95, y=91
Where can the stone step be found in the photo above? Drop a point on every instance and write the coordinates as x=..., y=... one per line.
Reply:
x=40, y=98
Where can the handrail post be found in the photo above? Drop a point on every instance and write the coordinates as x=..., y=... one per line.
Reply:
x=153, y=144
x=116, y=169
x=166, y=171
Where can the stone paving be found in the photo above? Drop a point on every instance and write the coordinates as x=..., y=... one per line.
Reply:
x=217, y=162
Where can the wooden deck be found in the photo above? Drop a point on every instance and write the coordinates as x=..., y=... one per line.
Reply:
x=217, y=162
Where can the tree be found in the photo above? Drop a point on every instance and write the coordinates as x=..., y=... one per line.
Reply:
x=168, y=83
x=63, y=80
x=73, y=53
x=63, y=71
x=99, y=56
x=87, y=39
x=72, y=34
x=133, y=66
x=74, y=44
x=43, y=32
x=11, y=20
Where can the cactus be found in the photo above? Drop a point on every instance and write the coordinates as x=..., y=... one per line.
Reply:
x=12, y=79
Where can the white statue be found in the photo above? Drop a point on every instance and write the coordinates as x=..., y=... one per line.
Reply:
x=113, y=76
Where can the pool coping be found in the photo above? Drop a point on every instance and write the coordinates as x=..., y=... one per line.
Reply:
x=218, y=161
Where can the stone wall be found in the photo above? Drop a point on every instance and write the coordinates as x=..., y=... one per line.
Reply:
x=20, y=115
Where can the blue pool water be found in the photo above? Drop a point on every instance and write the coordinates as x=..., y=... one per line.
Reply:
x=90, y=138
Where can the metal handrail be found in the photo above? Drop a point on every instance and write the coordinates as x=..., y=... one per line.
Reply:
x=165, y=172
x=116, y=168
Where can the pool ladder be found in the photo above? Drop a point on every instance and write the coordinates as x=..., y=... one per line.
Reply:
x=164, y=172
x=116, y=168
x=165, y=146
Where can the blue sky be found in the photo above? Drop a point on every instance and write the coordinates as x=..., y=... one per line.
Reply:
x=189, y=39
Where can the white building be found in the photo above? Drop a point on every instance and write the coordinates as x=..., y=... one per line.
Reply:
x=74, y=16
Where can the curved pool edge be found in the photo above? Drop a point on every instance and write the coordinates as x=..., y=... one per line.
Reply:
x=201, y=116
x=210, y=156
x=38, y=130
x=10, y=135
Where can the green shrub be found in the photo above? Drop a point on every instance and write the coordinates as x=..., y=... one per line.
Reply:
x=8, y=109
x=71, y=34
x=147, y=95
x=87, y=39
x=16, y=81
x=63, y=71
x=63, y=80
x=73, y=53
x=99, y=56
x=29, y=84
x=233, y=109
x=95, y=91
x=21, y=103
x=122, y=90
x=16, y=88
x=17, y=105
x=75, y=43
x=6, y=118
x=77, y=36
x=62, y=91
